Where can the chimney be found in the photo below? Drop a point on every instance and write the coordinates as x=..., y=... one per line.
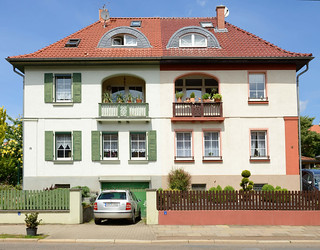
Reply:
x=220, y=17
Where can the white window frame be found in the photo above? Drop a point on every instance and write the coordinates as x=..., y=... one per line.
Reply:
x=193, y=41
x=254, y=145
x=124, y=38
x=57, y=134
x=56, y=77
x=211, y=157
x=138, y=141
x=110, y=142
x=184, y=141
x=264, y=97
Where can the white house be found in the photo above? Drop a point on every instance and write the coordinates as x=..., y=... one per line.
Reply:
x=72, y=137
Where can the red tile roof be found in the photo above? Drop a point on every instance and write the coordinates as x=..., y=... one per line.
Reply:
x=236, y=43
x=315, y=128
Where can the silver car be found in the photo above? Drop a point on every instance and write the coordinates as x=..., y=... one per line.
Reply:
x=116, y=204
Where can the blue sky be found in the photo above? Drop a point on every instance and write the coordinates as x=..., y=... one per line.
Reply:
x=26, y=26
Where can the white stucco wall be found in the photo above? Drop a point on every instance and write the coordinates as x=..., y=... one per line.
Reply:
x=240, y=117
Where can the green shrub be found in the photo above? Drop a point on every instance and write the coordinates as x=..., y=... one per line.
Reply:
x=85, y=191
x=160, y=189
x=219, y=188
x=228, y=188
x=267, y=187
x=245, y=183
x=213, y=189
x=179, y=179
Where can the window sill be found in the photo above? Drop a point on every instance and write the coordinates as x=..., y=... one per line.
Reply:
x=62, y=103
x=63, y=162
x=184, y=160
x=110, y=161
x=258, y=101
x=138, y=161
x=212, y=159
x=260, y=159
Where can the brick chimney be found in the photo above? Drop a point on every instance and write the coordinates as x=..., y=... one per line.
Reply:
x=220, y=17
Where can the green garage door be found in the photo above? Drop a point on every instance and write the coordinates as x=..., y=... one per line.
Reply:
x=138, y=188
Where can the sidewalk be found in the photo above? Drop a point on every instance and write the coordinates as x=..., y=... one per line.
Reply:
x=120, y=232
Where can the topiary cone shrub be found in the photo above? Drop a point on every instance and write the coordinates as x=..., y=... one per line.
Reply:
x=245, y=183
x=179, y=179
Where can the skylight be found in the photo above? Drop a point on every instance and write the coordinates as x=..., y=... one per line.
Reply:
x=135, y=24
x=72, y=43
x=206, y=24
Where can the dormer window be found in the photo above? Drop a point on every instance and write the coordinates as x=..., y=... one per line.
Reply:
x=193, y=40
x=124, y=40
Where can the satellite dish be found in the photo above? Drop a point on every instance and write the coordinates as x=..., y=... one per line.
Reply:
x=226, y=12
x=105, y=15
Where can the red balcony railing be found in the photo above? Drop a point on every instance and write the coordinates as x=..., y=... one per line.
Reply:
x=201, y=109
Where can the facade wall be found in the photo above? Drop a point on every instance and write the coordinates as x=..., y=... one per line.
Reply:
x=240, y=117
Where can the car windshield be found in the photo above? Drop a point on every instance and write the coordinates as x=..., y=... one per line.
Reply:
x=113, y=196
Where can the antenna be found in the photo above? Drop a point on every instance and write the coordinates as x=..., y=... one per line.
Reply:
x=105, y=15
x=226, y=12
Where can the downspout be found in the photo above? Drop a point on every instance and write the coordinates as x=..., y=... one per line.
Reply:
x=299, y=126
x=22, y=75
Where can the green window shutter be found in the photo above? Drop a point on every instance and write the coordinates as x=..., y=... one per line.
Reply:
x=76, y=87
x=152, y=145
x=48, y=87
x=77, y=145
x=48, y=145
x=95, y=145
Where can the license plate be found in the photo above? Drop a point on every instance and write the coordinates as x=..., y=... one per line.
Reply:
x=111, y=204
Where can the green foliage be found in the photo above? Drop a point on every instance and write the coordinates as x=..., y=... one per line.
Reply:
x=217, y=96
x=310, y=140
x=228, y=188
x=85, y=191
x=192, y=95
x=9, y=187
x=3, y=124
x=179, y=95
x=219, y=188
x=11, y=153
x=179, y=179
x=32, y=220
x=245, y=183
x=160, y=189
x=206, y=96
x=267, y=187
x=213, y=189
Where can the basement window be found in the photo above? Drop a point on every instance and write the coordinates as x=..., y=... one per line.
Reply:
x=72, y=43
x=206, y=24
x=135, y=24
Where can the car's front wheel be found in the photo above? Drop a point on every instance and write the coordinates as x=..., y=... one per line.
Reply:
x=97, y=221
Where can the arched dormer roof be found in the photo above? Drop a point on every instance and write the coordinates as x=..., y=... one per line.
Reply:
x=212, y=41
x=106, y=39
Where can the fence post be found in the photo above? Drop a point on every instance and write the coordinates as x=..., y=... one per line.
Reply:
x=75, y=206
x=152, y=211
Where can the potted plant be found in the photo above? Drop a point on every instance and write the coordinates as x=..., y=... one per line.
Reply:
x=138, y=99
x=32, y=223
x=217, y=97
x=106, y=97
x=129, y=98
x=192, y=97
x=120, y=98
x=206, y=97
x=179, y=96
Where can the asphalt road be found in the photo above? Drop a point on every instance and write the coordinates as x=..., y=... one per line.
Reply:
x=94, y=246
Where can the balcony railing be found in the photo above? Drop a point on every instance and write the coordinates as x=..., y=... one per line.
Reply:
x=123, y=110
x=205, y=109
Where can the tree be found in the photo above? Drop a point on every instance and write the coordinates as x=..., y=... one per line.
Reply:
x=3, y=125
x=310, y=140
x=245, y=183
x=11, y=152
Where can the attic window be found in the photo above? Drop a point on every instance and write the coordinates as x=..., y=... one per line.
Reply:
x=206, y=24
x=124, y=40
x=72, y=43
x=193, y=40
x=135, y=24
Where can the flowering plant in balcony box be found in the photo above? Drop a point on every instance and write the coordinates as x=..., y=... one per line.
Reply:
x=120, y=98
x=206, y=97
x=192, y=97
x=106, y=98
x=217, y=97
x=179, y=96
x=129, y=98
x=138, y=99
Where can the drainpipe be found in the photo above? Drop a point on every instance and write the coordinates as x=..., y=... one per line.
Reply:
x=22, y=75
x=299, y=127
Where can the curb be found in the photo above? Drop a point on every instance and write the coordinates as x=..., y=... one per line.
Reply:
x=143, y=242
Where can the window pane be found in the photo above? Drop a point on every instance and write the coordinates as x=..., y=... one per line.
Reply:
x=257, y=86
x=211, y=144
x=110, y=145
x=63, y=145
x=63, y=88
x=200, y=41
x=193, y=82
x=130, y=40
x=179, y=82
x=258, y=144
x=184, y=144
x=138, y=145
x=186, y=41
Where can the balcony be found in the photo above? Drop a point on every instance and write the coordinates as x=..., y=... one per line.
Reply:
x=202, y=112
x=123, y=112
